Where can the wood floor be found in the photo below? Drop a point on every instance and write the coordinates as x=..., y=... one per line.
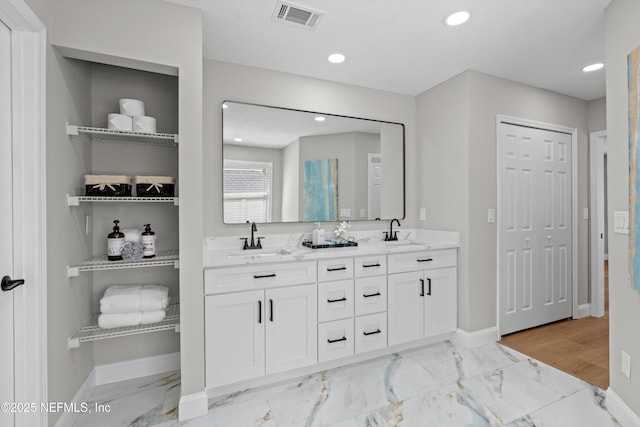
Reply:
x=579, y=347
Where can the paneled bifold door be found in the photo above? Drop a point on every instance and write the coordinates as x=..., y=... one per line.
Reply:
x=534, y=226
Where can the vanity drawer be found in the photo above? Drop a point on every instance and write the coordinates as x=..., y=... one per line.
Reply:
x=335, y=300
x=371, y=332
x=259, y=276
x=370, y=295
x=424, y=260
x=335, y=340
x=335, y=269
x=374, y=265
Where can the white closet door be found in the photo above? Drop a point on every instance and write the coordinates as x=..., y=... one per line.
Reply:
x=535, y=223
x=7, y=384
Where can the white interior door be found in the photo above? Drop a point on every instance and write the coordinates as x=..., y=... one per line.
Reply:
x=7, y=380
x=534, y=227
x=375, y=186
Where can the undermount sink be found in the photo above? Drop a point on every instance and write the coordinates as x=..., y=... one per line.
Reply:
x=258, y=253
x=399, y=242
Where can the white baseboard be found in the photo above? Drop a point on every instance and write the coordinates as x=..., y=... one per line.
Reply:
x=193, y=406
x=68, y=418
x=137, y=368
x=584, y=310
x=476, y=338
x=619, y=409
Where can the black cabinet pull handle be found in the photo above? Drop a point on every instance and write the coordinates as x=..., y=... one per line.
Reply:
x=337, y=300
x=259, y=311
x=263, y=276
x=425, y=260
x=271, y=310
x=377, y=294
x=371, y=265
x=337, y=340
x=377, y=331
x=429, y=289
x=421, y=287
x=336, y=268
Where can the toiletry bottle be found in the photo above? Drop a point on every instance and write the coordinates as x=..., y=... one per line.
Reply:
x=115, y=240
x=317, y=237
x=148, y=241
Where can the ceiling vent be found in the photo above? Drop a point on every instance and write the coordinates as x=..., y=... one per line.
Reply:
x=299, y=16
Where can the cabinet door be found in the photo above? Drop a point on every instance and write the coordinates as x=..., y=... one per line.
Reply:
x=405, y=307
x=441, y=309
x=234, y=337
x=292, y=322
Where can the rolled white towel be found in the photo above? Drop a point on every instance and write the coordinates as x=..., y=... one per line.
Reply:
x=120, y=320
x=133, y=298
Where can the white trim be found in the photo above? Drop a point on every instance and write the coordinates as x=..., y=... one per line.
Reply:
x=597, y=150
x=137, y=368
x=193, y=406
x=620, y=410
x=68, y=418
x=476, y=338
x=500, y=118
x=29, y=44
x=584, y=310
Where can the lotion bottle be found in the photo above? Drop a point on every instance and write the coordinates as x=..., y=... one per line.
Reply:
x=148, y=241
x=115, y=240
x=317, y=237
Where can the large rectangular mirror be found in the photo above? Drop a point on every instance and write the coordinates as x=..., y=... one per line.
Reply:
x=284, y=165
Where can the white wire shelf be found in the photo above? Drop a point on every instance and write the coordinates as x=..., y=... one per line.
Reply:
x=109, y=135
x=101, y=263
x=76, y=200
x=95, y=333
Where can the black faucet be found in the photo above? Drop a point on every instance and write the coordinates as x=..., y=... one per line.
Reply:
x=253, y=244
x=391, y=235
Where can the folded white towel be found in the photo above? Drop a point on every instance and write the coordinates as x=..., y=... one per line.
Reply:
x=133, y=298
x=119, y=320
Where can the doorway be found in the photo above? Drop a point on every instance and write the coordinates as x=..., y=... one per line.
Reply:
x=536, y=228
x=598, y=224
x=22, y=185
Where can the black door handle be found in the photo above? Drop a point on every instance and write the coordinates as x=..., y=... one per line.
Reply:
x=377, y=294
x=336, y=340
x=377, y=331
x=336, y=268
x=337, y=300
x=270, y=310
x=429, y=288
x=8, y=284
x=259, y=311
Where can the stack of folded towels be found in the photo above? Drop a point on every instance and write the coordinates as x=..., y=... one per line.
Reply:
x=132, y=305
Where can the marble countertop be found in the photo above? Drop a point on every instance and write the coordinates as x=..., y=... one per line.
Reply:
x=227, y=251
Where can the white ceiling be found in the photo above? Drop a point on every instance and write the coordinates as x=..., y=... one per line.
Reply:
x=402, y=46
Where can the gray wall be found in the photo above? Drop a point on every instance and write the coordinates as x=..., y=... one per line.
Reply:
x=463, y=135
x=621, y=37
x=224, y=81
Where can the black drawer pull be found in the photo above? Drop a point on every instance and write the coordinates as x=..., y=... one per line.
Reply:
x=425, y=260
x=377, y=294
x=377, y=331
x=337, y=340
x=421, y=287
x=337, y=300
x=370, y=265
x=336, y=268
x=263, y=276
x=259, y=311
x=429, y=291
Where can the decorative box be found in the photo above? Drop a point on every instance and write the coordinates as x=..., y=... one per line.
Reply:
x=155, y=186
x=108, y=185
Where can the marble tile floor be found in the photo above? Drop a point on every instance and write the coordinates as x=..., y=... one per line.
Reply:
x=441, y=385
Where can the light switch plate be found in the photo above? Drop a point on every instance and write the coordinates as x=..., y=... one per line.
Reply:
x=423, y=214
x=621, y=222
x=491, y=216
x=585, y=213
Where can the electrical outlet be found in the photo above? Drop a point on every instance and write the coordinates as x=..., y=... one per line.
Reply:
x=625, y=364
x=491, y=216
x=423, y=214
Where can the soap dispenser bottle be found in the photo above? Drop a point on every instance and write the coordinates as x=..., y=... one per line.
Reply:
x=317, y=238
x=148, y=240
x=115, y=240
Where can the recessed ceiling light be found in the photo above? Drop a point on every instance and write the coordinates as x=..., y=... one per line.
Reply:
x=593, y=67
x=225, y=105
x=457, y=18
x=237, y=139
x=336, y=58
x=320, y=119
